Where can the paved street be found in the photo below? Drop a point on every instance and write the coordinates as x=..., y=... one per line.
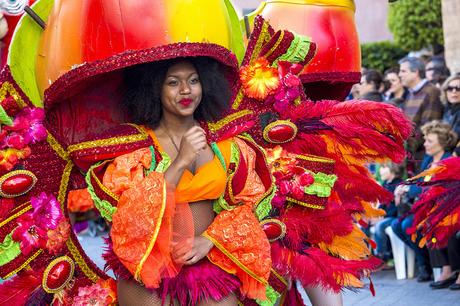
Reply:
x=389, y=291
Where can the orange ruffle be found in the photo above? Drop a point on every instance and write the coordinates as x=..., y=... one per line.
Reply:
x=79, y=201
x=127, y=170
x=241, y=246
x=145, y=229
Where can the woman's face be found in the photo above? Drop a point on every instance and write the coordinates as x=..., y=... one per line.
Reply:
x=181, y=91
x=453, y=91
x=432, y=145
x=395, y=82
x=365, y=87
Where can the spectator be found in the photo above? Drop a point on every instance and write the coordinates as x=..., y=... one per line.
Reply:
x=396, y=93
x=451, y=98
x=390, y=174
x=436, y=70
x=368, y=89
x=439, y=140
x=422, y=104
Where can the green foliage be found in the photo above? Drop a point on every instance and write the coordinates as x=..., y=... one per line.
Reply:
x=416, y=24
x=381, y=55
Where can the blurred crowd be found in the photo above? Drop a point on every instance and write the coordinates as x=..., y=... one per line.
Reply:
x=430, y=96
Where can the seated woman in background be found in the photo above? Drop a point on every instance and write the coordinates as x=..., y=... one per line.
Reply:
x=439, y=141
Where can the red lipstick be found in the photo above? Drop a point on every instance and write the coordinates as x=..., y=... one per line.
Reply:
x=185, y=102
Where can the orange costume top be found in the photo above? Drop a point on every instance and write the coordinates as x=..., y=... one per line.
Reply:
x=153, y=223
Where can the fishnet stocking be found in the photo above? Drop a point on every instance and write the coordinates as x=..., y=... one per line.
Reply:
x=133, y=294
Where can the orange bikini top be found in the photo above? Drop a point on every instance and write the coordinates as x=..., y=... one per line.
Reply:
x=209, y=180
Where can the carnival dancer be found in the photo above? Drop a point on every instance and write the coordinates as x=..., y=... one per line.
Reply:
x=155, y=183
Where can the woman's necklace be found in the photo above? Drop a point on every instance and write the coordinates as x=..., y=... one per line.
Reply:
x=170, y=137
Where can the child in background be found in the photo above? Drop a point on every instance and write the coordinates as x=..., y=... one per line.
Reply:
x=390, y=174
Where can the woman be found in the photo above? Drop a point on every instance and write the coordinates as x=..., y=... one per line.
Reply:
x=396, y=93
x=451, y=99
x=439, y=140
x=370, y=85
x=172, y=99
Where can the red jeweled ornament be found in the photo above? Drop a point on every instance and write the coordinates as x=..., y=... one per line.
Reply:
x=16, y=183
x=280, y=131
x=58, y=274
x=274, y=229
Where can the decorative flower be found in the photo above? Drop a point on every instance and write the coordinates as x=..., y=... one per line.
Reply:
x=27, y=128
x=9, y=158
x=281, y=161
x=259, y=79
x=29, y=235
x=290, y=89
x=47, y=211
x=58, y=237
x=34, y=227
x=306, y=179
x=101, y=293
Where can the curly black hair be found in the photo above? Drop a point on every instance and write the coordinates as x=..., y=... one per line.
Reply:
x=142, y=94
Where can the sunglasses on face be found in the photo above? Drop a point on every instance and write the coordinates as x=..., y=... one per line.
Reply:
x=452, y=88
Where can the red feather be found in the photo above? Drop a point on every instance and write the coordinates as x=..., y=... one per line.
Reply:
x=17, y=290
x=371, y=286
x=317, y=268
x=359, y=130
x=440, y=199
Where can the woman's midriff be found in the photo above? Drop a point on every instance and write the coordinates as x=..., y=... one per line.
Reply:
x=203, y=215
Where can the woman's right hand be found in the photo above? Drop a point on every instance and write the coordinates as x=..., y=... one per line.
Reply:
x=192, y=143
x=399, y=192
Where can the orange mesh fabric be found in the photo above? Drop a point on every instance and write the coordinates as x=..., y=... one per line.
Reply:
x=144, y=233
x=208, y=183
x=241, y=246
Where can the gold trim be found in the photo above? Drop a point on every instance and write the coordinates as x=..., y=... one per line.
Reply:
x=57, y=147
x=26, y=263
x=103, y=188
x=281, y=224
x=315, y=158
x=64, y=183
x=61, y=197
x=277, y=123
x=16, y=172
x=7, y=87
x=314, y=206
x=109, y=141
x=350, y=4
x=21, y=212
x=264, y=36
x=278, y=276
x=238, y=99
x=154, y=236
x=278, y=42
x=80, y=261
x=48, y=269
x=234, y=259
x=223, y=122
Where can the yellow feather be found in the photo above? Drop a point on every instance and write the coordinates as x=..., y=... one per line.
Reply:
x=349, y=247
